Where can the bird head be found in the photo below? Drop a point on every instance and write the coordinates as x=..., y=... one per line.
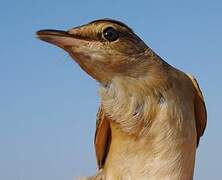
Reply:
x=103, y=48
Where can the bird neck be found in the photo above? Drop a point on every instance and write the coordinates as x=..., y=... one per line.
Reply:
x=147, y=139
x=132, y=101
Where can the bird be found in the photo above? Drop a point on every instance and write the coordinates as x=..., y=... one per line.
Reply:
x=151, y=115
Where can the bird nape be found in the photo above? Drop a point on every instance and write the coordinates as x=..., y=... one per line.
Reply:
x=151, y=115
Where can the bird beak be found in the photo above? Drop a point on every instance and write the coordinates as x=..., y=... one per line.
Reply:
x=74, y=43
x=62, y=39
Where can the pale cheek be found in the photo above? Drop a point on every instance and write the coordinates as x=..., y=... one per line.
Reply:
x=97, y=54
x=97, y=57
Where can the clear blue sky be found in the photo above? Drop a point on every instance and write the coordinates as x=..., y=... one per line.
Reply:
x=48, y=104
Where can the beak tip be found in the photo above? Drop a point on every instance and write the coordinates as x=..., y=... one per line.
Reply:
x=45, y=34
x=50, y=32
x=38, y=33
x=56, y=37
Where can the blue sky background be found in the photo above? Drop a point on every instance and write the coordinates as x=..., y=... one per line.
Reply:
x=48, y=104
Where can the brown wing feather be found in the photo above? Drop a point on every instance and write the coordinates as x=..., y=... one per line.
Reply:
x=199, y=108
x=102, y=137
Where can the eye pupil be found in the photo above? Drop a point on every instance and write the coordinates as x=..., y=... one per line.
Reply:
x=110, y=34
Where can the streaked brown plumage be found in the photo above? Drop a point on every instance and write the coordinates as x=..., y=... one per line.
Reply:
x=151, y=115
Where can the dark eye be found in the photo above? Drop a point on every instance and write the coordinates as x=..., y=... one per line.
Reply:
x=110, y=34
